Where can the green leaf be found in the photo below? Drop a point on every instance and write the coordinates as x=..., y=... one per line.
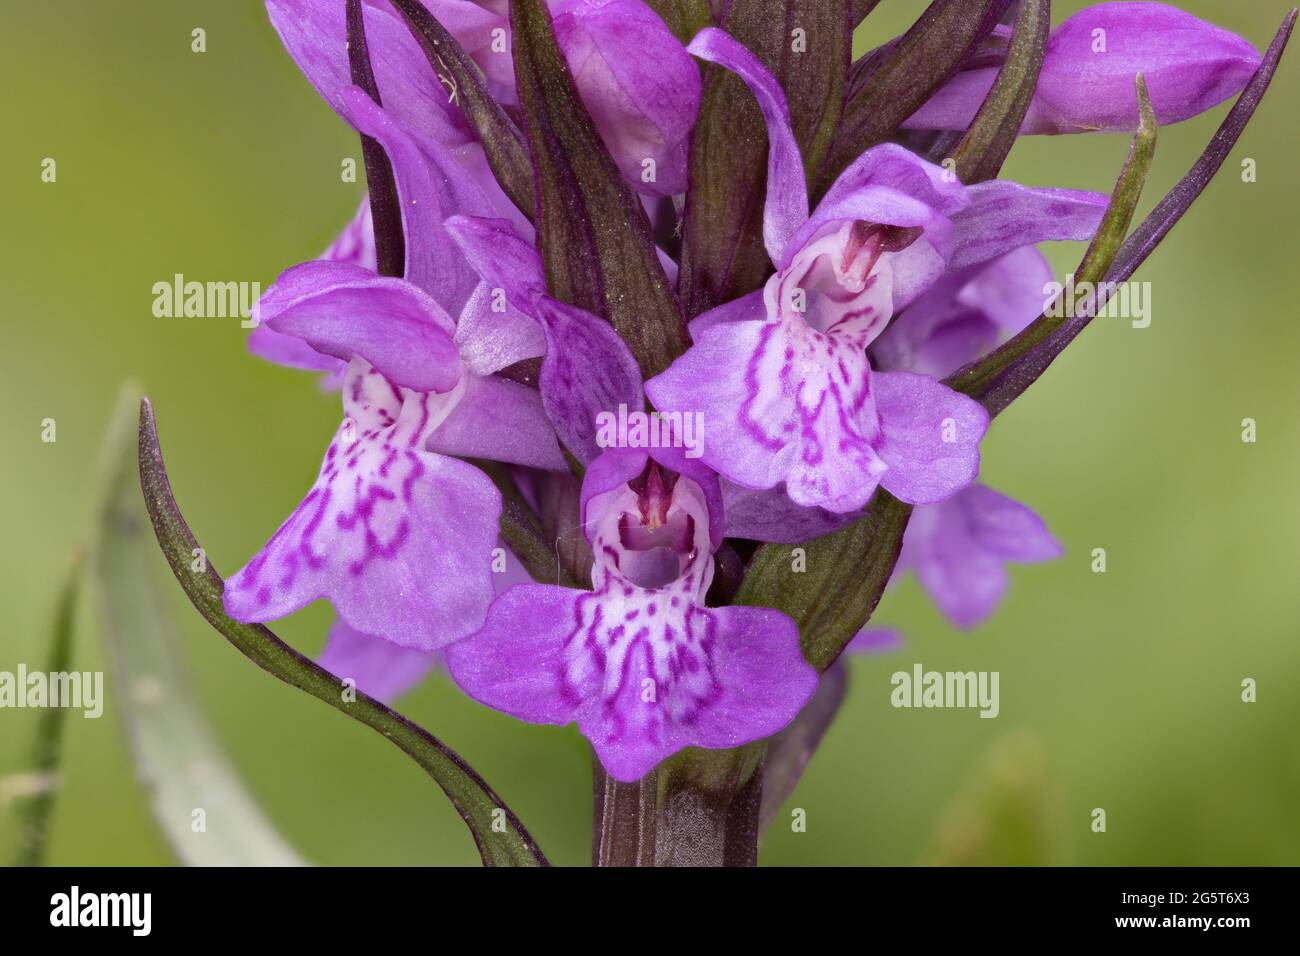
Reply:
x=502, y=142
x=481, y=809
x=37, y=788
x=723, y=256
x=905, y=74
x=596, y=243
x=831, y=585
x=984, y=148
x=177, y=757
x=1003, y=374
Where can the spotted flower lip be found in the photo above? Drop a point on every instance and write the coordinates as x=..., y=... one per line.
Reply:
x=640, y=663
x=783, y=380
x=1086, y=83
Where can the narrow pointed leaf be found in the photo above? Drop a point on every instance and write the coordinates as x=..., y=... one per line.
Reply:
x=178, y=760
x=984, y=147
x=1000, y=376
x=502, y=141
x=903, y=75
x=39, y=785
x=843, y=578
x=596, y=243
x=805, y=44
x=789, y=752
x=473, y=799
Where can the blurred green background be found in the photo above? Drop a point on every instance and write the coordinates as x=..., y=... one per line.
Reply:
x=1119, y=690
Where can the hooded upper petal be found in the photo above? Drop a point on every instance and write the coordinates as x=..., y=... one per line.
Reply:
x=1087, y=83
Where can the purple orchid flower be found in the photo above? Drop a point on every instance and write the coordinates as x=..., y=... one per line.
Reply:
x=468, y=337
x=640, y=663
x=1086, y=83
x=397, y=534
x=782, y=376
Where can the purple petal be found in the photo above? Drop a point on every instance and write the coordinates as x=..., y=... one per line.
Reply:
x=747, y=308
x=492, y=334
x=765, y=424
x=587, y=370
x=959, y=550
x=398, y=539
x=1005, y=527
x=1189, y=66
x=688, y=676
x=345, y=311
x=930, y=436
x=376, y=667
x=1003, y=216
x=786, y=207
x=501, y=421
x=637, y=81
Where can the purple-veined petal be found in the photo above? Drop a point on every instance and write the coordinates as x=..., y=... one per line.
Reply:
x=499, y=420
x=780, y=403
x=1003, y=216
x=376, y=667
x=345, y=311
x=397, y=538
x=587, y=370
x=1087, y=79
x=930, y=436
x=642, y=678
x=786, y=207
x=637, y=81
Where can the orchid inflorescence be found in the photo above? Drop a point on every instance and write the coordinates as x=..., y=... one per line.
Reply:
x=666, y=337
